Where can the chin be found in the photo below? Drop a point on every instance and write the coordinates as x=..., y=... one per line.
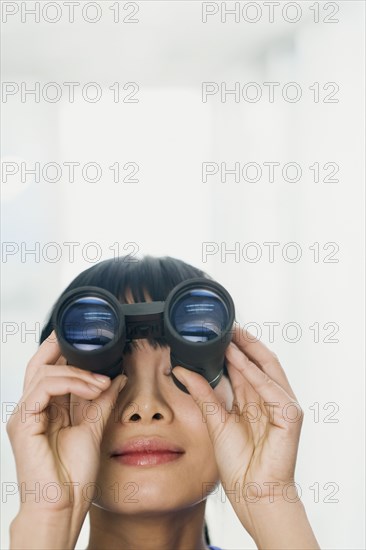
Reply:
x=149, y=502
x=146, y=493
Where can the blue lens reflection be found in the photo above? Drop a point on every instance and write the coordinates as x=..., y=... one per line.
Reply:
x=89, y=323
x=199, y=315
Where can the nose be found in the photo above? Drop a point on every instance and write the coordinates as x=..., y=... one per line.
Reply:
x=149, y=392
x=142, y=416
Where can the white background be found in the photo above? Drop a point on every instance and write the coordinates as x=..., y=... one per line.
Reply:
x=169, y=133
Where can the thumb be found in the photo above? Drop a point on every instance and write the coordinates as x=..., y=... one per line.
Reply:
x=106, y=403
x=213, y=412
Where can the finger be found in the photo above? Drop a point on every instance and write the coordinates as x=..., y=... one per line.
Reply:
x=48, y=353
x=247, y=402
x=62, y=401
x=38, y=399
x=59, y=370
x=206, y=399
x=105, y=404
x=275, y=397
x=262, y=356
x=70, y=371
x=61, y=360
x=243, y=391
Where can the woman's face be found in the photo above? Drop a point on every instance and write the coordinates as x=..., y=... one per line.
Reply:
x=151, y=405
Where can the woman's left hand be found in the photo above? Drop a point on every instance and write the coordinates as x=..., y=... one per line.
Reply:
x=256, y=442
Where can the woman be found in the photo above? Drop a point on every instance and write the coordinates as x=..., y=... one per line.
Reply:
x=75, y=440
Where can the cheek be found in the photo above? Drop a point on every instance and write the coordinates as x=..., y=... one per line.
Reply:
x=204, y=467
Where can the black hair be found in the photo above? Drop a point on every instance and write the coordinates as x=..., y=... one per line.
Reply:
x=121, y=276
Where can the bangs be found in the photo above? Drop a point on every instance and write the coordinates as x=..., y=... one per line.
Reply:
x=152, y=279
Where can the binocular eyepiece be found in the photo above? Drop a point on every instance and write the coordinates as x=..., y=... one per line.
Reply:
x=196, y=320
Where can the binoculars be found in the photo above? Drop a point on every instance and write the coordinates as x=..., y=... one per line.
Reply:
x=196, y=321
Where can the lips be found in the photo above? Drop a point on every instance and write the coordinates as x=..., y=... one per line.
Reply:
x=144, y=451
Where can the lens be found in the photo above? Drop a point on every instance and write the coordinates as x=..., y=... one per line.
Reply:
x=199, y=315
x=89, y=323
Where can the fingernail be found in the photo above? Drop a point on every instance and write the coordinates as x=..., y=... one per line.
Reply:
x=233, y=345
x=101, y=379
x=179, y=374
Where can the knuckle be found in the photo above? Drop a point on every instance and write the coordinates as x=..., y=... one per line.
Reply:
x=45, y=382
x=42, y=370
x=9, y=426
x=68, y=386
x=296, y=418
x=12, y=424
x=13, y=414
x=39, y=374
x=32, y=361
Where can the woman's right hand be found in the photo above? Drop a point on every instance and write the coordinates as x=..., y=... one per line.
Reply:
x=56, y=442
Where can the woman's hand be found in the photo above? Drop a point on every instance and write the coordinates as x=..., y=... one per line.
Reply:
x=56, y=443
x=256, y=442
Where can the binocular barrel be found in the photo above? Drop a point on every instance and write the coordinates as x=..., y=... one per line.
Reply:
x=196, y=321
